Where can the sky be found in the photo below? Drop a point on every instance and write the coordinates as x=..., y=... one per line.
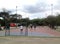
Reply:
x=32, y=8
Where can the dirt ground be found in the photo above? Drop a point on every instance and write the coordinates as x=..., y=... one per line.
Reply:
x=28, y=40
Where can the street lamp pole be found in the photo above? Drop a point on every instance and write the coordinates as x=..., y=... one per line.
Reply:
x=16, y=16
x=16, y=10
x=51, y=9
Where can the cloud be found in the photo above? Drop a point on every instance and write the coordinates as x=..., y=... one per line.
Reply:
x=31, y=8
x=57, y=6
x=39, y=7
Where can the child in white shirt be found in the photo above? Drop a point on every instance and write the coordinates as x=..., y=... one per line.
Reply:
x=21, y=28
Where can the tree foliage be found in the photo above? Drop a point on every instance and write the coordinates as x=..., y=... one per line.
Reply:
x=50, y=20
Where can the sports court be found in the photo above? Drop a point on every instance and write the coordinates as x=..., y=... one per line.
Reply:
x=38, y=31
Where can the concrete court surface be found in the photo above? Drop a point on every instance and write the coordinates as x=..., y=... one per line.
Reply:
x=39, y=31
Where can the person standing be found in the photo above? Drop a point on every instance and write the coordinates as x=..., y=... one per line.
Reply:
x=21, y=29
x=0, y=27
x=7, y=29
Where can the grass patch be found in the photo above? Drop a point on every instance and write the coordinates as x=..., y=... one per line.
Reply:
x=29, y=40
x=28, y=37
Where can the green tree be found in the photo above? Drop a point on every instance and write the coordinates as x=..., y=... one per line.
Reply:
x=58, y=20
x=51, y=20
x=5, y=15
x=25, y=21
